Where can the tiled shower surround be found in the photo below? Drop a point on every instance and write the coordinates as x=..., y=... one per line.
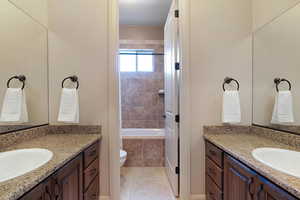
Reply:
x=142, y=106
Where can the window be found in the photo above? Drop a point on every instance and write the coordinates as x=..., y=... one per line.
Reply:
x=127, y=63
x=136, y=61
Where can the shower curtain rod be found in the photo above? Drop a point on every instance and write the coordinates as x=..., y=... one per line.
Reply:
x=146, y=54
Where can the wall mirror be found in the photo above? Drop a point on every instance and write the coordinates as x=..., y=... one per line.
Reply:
x=276, y=55
x=23, y=51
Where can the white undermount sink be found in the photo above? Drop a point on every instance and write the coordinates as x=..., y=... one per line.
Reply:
x=19, y=162
x=282, y=160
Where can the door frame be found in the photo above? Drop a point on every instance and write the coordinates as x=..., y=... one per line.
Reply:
x=114, y=119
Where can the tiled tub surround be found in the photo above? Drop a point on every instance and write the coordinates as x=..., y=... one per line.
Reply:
x=144, y=152
x=65, y=146
x=142, y=106
x=241, y=141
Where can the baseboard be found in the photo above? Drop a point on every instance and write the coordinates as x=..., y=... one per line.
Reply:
x=198, y=197
x=104, y=198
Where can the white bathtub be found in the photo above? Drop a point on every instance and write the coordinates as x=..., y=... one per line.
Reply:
x=137, y=133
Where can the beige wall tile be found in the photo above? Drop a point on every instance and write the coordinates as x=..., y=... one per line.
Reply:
x=144, y=152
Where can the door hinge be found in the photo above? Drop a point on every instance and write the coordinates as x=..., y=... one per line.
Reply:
x=176, y=13
x=177, y=66
x=177, y=170
x=177, y=118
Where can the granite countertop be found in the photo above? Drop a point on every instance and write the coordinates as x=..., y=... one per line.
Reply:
x=65, y=147
x=240, y=145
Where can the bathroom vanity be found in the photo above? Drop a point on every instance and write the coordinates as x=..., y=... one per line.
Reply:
x=76, y=180
x=72, y=173
x=233, y=173
x=229, y=179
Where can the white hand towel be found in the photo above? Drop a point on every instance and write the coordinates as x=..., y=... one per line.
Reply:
x=14, y=107
x=231, y=107
x=283, y=108
x=24, y=115
x=69, y=106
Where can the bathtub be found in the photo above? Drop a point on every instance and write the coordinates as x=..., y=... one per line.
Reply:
x=145, y=147
x=139, y=133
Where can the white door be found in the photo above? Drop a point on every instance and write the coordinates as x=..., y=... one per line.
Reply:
x=172, y=97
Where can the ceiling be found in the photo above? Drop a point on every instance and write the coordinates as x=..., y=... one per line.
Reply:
x=144, y=12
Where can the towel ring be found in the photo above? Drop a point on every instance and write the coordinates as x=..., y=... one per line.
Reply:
x=228, y=80
x=73, y=79
x=21, y=78
x=277, y=81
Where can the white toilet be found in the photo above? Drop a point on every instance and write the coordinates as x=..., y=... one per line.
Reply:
x=123, y=157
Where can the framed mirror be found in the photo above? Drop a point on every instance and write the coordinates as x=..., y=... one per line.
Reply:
x=276, y=73
x=23, y=51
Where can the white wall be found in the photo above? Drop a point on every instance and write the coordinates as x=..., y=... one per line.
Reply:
x=78, y=45
x=266, y=10
x=36, y=9
x=220, y=46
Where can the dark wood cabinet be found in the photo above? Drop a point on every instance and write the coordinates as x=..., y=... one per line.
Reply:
x=68, y=181
x=36, y=194
x=91, y=173
x=77, y=180
x=48, y=189
x=93, y=191
x=229, y=179
x=214, y=172
x=269, y=191
x=42, y=192
x=239, y=181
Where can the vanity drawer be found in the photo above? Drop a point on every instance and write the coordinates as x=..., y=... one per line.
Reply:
x=214, y=172
x=90, y=173
x=91, y=154
x=212, y=190
x=214, y=153
x=93, y=192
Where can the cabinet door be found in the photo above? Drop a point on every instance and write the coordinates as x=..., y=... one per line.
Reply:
x=239, y=180
x=41, y=192
x=36, y=194
x=48, y=189
x=269, y=191
x=68, y=181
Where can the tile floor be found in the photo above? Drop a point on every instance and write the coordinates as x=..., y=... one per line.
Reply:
x=145, y=183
